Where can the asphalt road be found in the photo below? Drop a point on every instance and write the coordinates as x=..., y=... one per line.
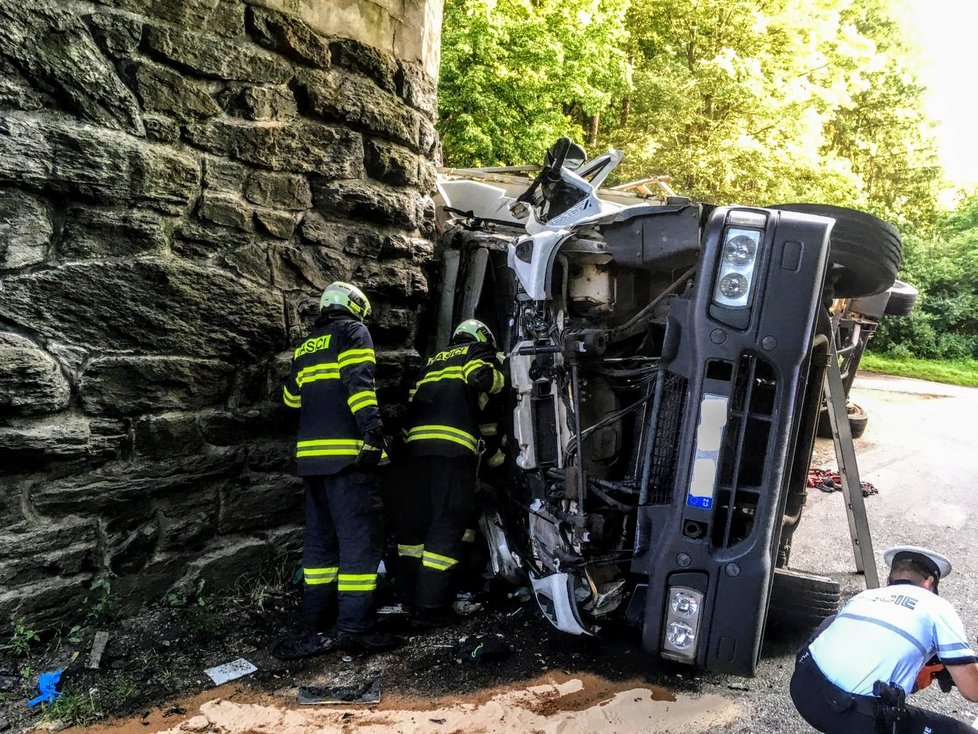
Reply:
x=920, y=449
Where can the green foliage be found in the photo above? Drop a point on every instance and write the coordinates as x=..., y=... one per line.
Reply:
x=943, y=264
x=518, y=74
x=737, y=100
x=198, y=610
x=22, y=639
x=75, y=709
x=952, y=372
x=102, y=605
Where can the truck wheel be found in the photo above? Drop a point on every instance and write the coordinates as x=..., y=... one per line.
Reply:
x=866, y=249
x=800, y=601
x=903, y=297
x=857, y=422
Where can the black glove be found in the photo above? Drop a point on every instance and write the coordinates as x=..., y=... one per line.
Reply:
x=372, y=451
x=944, y=680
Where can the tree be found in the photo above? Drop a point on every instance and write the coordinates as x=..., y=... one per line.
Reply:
x=518, y=74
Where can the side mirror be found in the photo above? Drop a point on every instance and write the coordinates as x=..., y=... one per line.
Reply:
x=575, y=158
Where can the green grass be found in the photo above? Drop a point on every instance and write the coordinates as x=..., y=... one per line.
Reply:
x=951, y=372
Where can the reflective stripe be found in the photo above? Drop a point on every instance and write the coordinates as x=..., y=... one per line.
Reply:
x=362, y=399
x=488, y=429
x=355, y=356
x=468, y=536
x=473, y=365
x=357, y=582
x=410, y=551
x=496, y=459
x=483, y=400
x=314, y=576
x=320, y=371
x=497, y=381
x=443, y=433
x=293, y=401
x=436, y=561
x=328, y=447
x=448, y=373
x=411, y=393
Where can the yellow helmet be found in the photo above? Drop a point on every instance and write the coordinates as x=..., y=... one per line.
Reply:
x=348, y=297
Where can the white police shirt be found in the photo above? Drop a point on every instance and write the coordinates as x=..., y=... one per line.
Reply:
x=888, y=634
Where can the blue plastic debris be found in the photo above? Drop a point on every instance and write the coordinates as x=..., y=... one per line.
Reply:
x=47, y=684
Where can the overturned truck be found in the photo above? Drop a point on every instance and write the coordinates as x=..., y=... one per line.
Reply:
x=666, y=361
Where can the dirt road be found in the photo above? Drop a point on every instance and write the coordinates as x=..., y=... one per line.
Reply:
x=919, y=450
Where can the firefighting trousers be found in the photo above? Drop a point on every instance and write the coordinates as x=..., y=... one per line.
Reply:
x=343, y=547
x=435, y=509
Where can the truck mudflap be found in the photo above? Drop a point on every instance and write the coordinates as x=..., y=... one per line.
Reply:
x=722, y=434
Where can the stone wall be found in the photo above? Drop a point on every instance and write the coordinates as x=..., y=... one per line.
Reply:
x=178, y=181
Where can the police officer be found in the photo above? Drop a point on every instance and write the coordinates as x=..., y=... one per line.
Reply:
x=443, y=440
x=881, y=637
x=340, y=444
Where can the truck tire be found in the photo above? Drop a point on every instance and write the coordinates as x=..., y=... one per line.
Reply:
x=903, y=298
x=857, y=422
x=801, y=601
x=866, y=250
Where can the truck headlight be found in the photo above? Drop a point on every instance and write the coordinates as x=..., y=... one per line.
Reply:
x=682, y=624
x=741, y=242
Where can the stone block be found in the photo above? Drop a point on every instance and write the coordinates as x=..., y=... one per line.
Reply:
x=45, y=603
x=279, y=191
x=115, y=489
x=254, y=503
x=160, y=306
x=225, y=562
x=222, y=17
x=118, y=35
x=189, y=519
x=97, y=232
x=162, y=436
x=131, y=385
x=273, y=456
x=94, y=164
x=303, y=147
x=397, y=280
x=223, y=175
x=195, y=238
x=288, y=36
x=225, y=210
x=31, y=381
x=390, y=163
x=338, y=96
x=391, y=325
x=25, y=230
x=131, y=551
x=16, y=93
x=222, y=428
x=161, y=89
x=416, y=248
x=54, y=50
x=367, y=60
x=417, y=88
x=33, y=551
x=286, y=540
x=161, y=129
x=280, y=225
x=207, y=56
x=260, y=103
x=40, y=445
x=302, y=268
x=371, y=202
x=342, y=236
x=250, y=261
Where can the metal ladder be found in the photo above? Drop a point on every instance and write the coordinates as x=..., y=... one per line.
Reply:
x=845, y=455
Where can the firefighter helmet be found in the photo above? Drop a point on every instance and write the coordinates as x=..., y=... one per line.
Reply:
x=473, y=330
x=346, y=297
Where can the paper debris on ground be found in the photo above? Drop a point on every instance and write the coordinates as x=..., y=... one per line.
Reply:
x=230, y=671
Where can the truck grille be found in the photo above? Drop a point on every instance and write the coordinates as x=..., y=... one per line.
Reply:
x=668, y=426
x=744, y=453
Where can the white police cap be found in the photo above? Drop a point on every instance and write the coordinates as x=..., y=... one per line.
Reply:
x=941, y=563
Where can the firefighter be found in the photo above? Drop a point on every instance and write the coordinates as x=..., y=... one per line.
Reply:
x=443, y=438
x=340, y=445
x=855, y=674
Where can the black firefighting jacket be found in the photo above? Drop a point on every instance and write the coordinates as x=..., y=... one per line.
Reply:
x=332, y=382
x=447, y=405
